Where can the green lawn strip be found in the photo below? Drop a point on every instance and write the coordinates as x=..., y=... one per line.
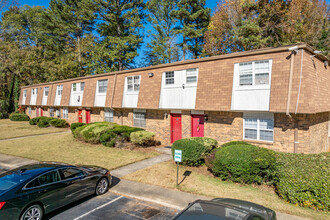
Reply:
x=164, y=174
x=13, y=129
x=64, y=148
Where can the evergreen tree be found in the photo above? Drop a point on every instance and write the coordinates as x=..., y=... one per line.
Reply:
x=162, y=47
x=194, y=19
x=119, y=29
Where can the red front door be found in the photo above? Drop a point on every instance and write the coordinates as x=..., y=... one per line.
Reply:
x=176, y=132
x=197, y=125
x=41, y=112
x=88, y=116
x=79, y=115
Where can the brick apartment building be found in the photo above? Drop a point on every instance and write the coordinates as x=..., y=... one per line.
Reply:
x=278, y=98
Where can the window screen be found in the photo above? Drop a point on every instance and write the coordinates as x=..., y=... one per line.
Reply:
x=259, y=128
x=82, y=86
x=108, y=115
x=139, y=119
x=261, y=70
x=245, y=74
x=46, y=91
x=191, y=76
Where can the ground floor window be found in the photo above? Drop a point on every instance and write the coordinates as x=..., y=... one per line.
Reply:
x=65, y=113
x=30, y=111
x=51, y=112
x=58, y=113
x=259, y=127
x=108, y=115
x=139, y=119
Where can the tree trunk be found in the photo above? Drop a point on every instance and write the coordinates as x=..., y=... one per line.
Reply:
x=184, y=49
x=79, y=56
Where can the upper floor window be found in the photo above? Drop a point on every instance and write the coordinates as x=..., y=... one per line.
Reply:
x=191, y=76
x=102, y=86
x=169, y=78
x=259, y=127
x=82, y=86
x=74, y=87
x=24, y=93
x=46, y=91
x=59, y=90
x=254, y=73
x=35, y=91
x=133, y=83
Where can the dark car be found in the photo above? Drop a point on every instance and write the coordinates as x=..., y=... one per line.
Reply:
x=31, y=191
x=225, y=209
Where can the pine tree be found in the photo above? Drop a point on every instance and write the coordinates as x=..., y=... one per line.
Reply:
x=194, y=19
x=77, y=18
x=119, y=29
x=162, y=47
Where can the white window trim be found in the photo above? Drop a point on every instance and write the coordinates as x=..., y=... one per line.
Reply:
x=253, y=86
x=258, y=116
x=192, y=83
x=126, y=85
x=97, y=88
x=45, y=91
x=65, y=112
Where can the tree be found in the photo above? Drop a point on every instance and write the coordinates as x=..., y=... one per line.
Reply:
x=239, y=25
x=162, y=47
x=193, y=21
x=119, y=29
x=77, y=18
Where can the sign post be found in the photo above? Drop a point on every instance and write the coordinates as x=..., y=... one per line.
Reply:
x=177, y=159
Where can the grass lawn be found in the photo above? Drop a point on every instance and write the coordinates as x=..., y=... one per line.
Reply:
x=11, y=129
x=64, y=148
x=201, y=182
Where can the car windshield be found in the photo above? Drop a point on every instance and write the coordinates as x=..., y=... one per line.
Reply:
x=10, y=180
x=210, y=211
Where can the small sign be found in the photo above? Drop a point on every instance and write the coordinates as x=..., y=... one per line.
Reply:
x=178, y=156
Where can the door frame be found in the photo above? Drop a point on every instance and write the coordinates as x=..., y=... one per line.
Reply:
x=88, y=116
x=173, y=115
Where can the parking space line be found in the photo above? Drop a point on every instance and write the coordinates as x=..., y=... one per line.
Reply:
x=105, y=204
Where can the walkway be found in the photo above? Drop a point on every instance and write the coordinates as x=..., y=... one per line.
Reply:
x=34, y=135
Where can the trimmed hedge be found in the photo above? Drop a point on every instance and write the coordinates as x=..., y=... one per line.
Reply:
x=19, y=117
x=73, y=126
x=91, y=132
x=143, y=138
x=125, y=131
x=304, y=179
x=34, y=121
x=208, y=143
x=58, y=123
x=43, y=124
x=192, y=151
x=108, y=138
x=244, y=163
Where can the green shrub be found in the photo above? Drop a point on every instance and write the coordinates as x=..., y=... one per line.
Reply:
x=19, y=117
x=244, y=163
x=192, y=151
x=143, y=138
x=58, y=123
x=34, y=121
x=304, y=179
x=108, y=138
x=73, y=126
x=125, y=131
x=208, y=143
x=43, y=124
x=210, y=158
x=91, y=132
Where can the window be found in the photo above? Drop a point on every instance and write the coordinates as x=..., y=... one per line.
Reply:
x=59, y=90
x=82, y=86
x=102, y=84
x=48, y=178
x=169, y=78
x=34, y=91
x=139, y=119
x=74, y=87
x=65, y=113
x=24, y=93
x=46, y=91
x=108, y=115
x=191, y=76
x=254, y=73
x=58, y=113
x=51, y=112
x=70, y=173
x=259, y=127
x=30, y=110
x=133, y=83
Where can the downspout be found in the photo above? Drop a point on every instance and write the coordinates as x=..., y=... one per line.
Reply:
x=293, y=50
x=113, y=90
x=50, y=96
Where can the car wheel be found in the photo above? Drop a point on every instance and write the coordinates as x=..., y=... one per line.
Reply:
x=33, y=212
x=102, y=186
